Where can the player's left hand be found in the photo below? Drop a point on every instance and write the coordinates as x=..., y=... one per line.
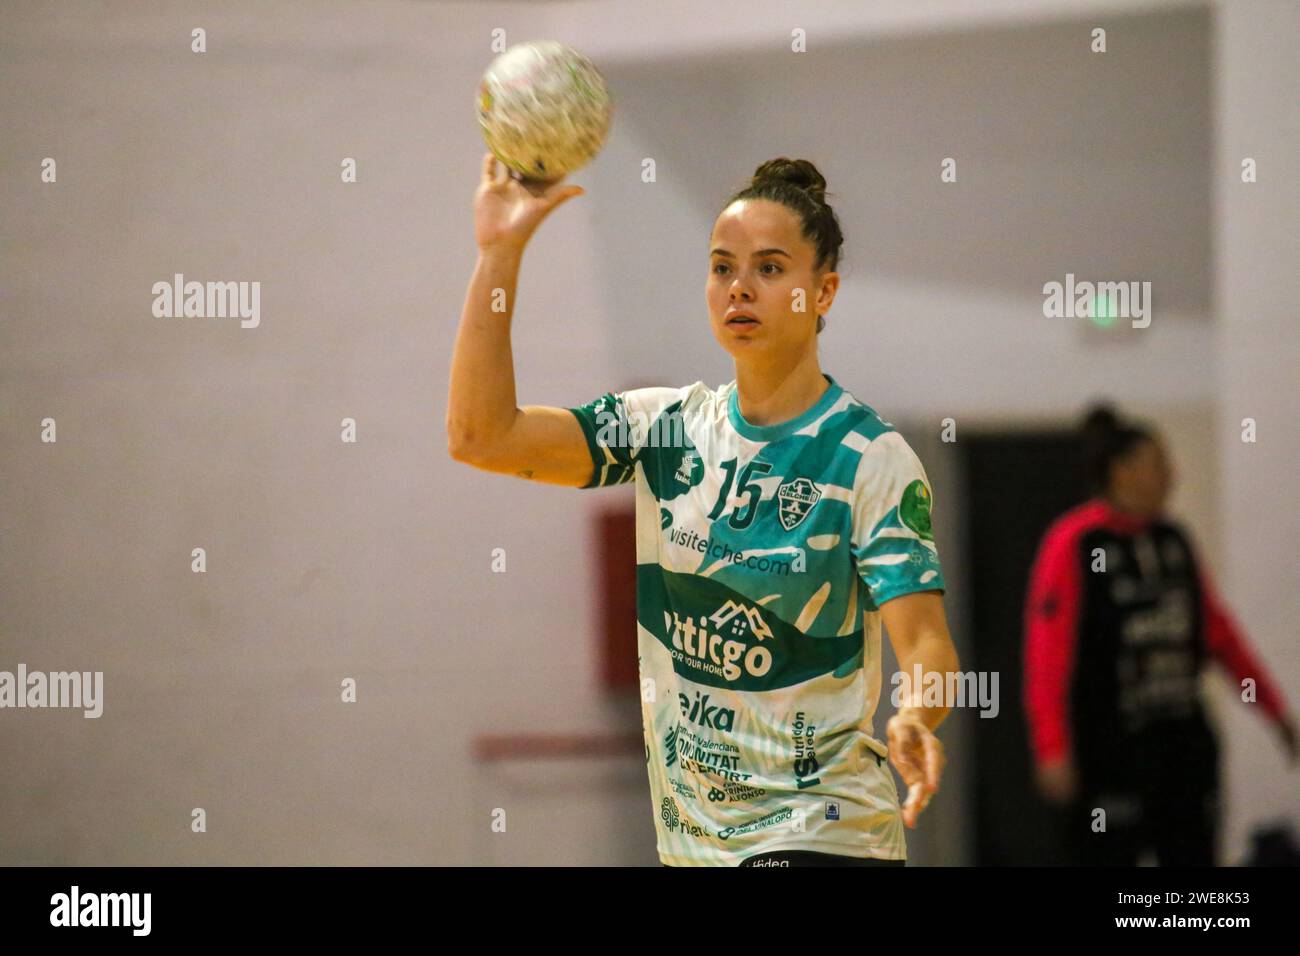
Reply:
x=1287, y=729
x=918, y=756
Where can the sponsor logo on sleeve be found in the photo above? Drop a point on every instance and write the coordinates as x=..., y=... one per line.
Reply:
x=914, y=510
x=691, y=470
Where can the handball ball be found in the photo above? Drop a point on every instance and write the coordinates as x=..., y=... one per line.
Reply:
x=544, y=109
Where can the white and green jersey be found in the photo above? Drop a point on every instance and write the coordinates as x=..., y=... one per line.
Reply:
x=763, y=556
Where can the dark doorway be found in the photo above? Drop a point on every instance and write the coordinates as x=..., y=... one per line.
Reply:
x=1018, y=483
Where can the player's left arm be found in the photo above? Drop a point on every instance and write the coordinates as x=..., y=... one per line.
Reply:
x=893, y=545
x=918, y=632
x=1226, y=643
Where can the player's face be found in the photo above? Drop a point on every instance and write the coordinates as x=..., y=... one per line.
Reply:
x=760, y=263
x=1159, y=475
x=1148, y=476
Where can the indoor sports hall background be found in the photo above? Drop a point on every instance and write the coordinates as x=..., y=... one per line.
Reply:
x=372, y=561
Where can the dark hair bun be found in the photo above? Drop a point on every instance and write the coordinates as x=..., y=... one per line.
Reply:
x=797, y=172
x=1100, y=421
x=797, y=185
x=1106, y=439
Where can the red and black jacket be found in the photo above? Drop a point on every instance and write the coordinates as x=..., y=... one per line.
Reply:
x=1119, y=621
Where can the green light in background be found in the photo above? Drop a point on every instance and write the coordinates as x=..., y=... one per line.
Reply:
x=1104, y=312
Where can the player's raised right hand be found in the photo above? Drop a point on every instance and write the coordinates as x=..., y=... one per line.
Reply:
x=507, y=209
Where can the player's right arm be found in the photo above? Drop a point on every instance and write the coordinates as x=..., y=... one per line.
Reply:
x=1053, y=608
x=543, y=444
x=485, y=426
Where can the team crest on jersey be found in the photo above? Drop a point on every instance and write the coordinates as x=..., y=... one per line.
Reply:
x=795, y=499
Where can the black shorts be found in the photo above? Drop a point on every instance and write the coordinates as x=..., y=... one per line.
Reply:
x=1167, y=803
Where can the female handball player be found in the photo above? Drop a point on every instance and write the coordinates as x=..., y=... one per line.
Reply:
x=780, y=522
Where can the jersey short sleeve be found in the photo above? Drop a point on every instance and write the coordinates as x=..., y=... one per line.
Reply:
x=622, y=426
x=893, y=544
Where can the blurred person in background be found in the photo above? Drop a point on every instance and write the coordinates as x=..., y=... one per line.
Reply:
x=1120, y=620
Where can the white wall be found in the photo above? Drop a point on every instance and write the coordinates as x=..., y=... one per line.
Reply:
x=325, y=560
x=1258, y=78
